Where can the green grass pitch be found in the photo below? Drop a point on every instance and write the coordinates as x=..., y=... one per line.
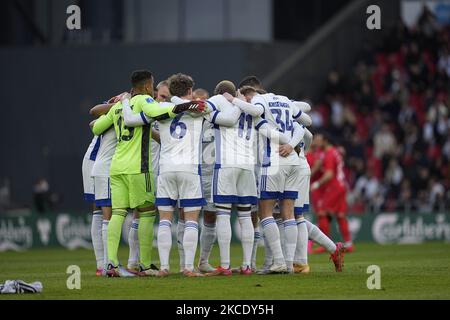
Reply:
x=407, y=272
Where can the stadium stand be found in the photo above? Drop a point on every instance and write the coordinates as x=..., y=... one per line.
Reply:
x=391, y=115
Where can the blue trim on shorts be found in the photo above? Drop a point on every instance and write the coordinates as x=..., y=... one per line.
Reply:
x=266, y=195
x=199, y=202
x=103, y=203
x=298, y=211
x=90, y=197
x=289, y=195
x=165, y=202
x=227, y=199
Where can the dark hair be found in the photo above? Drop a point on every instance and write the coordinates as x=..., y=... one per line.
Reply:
x=251, y=81
x=327, y=137
x=225, y=86
x=179, y=84
x=138, y=77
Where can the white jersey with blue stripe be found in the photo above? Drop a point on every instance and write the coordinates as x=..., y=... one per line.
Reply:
x=92, y=150
x=301, y=156
x=181, y=145
x=235, y=145
x=105, y=153
x=279, y=112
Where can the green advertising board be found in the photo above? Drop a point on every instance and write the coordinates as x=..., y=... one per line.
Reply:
x=23, y=231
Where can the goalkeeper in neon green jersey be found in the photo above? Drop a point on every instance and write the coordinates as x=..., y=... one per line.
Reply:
x=131, y=174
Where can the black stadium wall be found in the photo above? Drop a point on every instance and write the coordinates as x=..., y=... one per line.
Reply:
x=46, y=94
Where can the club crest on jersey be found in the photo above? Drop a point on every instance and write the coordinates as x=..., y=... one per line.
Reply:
x=149, y=100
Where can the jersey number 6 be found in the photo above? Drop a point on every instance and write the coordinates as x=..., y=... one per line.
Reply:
x=174, y=131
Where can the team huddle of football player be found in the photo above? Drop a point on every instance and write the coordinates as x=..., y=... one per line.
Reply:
x=175, y=151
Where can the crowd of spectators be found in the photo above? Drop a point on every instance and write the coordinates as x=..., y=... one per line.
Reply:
x=391, y=115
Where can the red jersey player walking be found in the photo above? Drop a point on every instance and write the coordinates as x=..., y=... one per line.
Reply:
x=329, y=191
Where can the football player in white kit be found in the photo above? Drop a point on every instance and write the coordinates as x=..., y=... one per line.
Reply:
x=96, y=183
x=100, y=173
x=102, y=188
x=280, y=176
x=208, y=229
x=234, y=178
x=305, y=228
x=89, y=196
x=179, y=178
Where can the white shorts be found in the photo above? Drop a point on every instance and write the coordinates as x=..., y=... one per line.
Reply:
x=88, y=180
x=178, y=185
x=302, y=202
x=234, y=185
x=102, y=187
x=283, y=184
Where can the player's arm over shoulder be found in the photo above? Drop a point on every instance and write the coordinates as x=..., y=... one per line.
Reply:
x=223, y=113
x=134, y=119
x=105, y=121
x=299, y=115
x=155, y=110
x=260, y=103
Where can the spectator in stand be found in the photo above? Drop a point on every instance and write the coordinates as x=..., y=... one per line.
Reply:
x=384, y=142
x=392, y=116
x=436, y=193
x=368, y=188
x=394, y=174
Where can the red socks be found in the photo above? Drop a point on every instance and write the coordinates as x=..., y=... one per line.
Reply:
x=343, y=227
x=324, y=225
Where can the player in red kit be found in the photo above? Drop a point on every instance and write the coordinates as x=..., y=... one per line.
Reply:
x=315, y=161
x=333, y=191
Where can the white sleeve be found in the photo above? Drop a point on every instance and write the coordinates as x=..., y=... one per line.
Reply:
x=227, y=118
x=266, y=130
x=177, y=100
x=252, y=109
x=299, y=132
x=259, y=101
x=300, y=116
x=132, y=119
x=303, y=106
x=304, y=119
x=307, y=139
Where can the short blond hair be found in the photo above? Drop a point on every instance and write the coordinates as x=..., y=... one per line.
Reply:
x=225, y=86
x=200, y=94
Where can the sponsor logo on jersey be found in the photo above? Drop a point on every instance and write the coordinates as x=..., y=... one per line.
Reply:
x=149, y=100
